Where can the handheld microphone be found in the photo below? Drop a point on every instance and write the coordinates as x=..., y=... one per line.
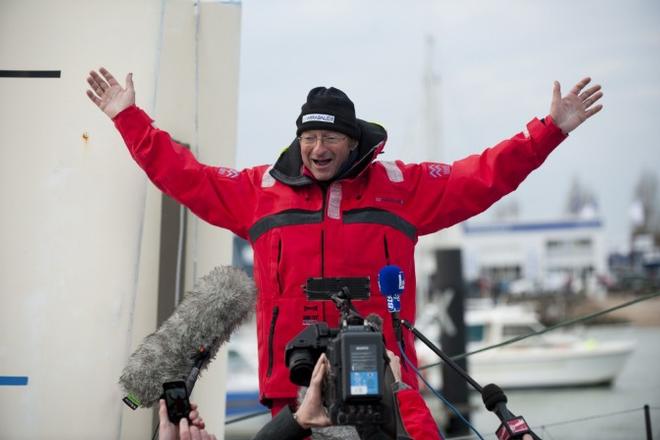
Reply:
x=512, y=427
x=191, y=337
x=391, y=283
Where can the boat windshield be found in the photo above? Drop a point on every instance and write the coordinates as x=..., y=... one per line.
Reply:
x=475, y=333
x=512, y=331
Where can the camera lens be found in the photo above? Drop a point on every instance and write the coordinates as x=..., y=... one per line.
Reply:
x=301, y=366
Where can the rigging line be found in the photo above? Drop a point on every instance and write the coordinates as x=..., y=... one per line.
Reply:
x=159, y=51
x=546, y=433
x=566, y=323
x=179, y=255
x=196, y=11
x=567, y=422
x=143, y=206
x=179, y=272
x=597, y=416
x=246, y=417
x=195, y=146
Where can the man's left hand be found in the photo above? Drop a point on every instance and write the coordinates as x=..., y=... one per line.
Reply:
x=576, y=107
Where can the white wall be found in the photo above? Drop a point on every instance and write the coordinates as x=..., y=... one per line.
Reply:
x=80, y=223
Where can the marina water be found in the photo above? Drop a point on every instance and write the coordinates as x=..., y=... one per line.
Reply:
x=601, y=413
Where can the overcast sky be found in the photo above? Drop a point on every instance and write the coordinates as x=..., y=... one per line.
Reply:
x=496, y=60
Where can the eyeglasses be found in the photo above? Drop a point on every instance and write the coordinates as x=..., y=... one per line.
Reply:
x=331, y=139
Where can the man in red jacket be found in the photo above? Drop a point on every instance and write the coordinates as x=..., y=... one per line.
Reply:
x=327, y=208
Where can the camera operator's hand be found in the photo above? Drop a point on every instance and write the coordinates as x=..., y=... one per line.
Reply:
x=312, y=413
x=395, y=365
x=193, y=430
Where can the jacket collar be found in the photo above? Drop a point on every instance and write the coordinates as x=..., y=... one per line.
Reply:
x=289, y=167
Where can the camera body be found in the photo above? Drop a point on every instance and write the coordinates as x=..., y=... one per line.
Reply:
x=354, y=387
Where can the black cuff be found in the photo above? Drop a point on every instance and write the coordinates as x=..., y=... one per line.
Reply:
x=283, y=425
x=399, y=386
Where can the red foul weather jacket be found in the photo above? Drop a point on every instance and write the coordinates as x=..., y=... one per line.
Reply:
x=370, y=216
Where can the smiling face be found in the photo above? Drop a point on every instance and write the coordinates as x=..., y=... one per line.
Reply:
x=324, y=152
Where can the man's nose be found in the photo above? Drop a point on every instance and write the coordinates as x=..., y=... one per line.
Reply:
x=319, y=145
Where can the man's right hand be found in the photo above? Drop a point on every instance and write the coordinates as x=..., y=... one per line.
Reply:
x=107, y=94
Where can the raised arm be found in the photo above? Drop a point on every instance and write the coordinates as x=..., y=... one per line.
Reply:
x=576, y=107
x=108, y=94
x=221, y=196
x=453, y=193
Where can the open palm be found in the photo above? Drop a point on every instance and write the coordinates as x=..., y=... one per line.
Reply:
x=108, y=94
x=576, y=107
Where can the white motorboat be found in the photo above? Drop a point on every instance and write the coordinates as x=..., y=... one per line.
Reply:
x=552, y=359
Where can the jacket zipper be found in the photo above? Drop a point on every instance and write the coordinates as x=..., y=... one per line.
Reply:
x=277, y=269
x=271, y=337
x=324, y=191
x=387, y=251
x=322, y=253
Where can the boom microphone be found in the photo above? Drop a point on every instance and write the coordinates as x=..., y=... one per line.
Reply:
x=201, y=323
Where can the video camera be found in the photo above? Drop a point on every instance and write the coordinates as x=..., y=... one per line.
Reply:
x=354, y=388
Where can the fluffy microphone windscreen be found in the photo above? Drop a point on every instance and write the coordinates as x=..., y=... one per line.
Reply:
x=220, y=302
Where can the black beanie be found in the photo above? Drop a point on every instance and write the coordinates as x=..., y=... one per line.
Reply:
x=328, y=109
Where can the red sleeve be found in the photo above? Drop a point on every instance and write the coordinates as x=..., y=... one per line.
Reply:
x=416, y=416
x=449, y=194
x=221, y=196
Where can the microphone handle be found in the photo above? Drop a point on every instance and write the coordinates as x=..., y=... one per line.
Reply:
x=192, y=378
x=396, y=323
x=503, y=412
x=398, y=333
x=443, y=356
x=513, y=423
x=200, y=358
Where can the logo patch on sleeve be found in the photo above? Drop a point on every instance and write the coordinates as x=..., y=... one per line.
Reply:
x=320, y=117
x=439, y=170
x=228, y=172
